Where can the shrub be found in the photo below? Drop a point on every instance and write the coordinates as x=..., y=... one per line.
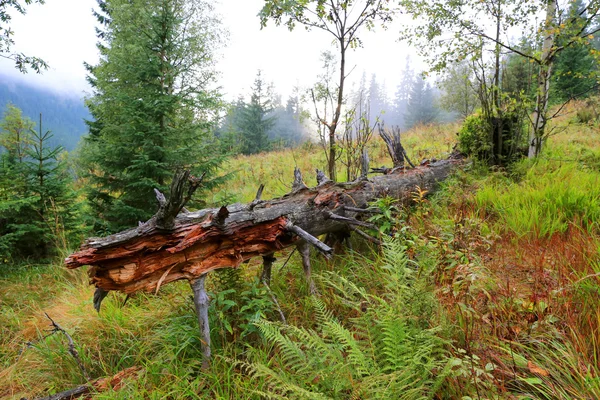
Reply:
x=473, y=137
x=497, y=140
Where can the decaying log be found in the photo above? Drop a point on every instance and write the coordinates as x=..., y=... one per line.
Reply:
x=176, y=245
x=149, y=256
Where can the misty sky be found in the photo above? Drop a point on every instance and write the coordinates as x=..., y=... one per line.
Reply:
x=62, y=33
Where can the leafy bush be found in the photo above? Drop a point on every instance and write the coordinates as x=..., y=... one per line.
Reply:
x=473, y=136
x=236, y=305
x=497, y=139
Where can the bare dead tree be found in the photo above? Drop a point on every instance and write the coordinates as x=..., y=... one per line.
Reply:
x=358, y=131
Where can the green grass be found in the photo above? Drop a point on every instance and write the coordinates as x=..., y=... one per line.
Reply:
x=545, y=201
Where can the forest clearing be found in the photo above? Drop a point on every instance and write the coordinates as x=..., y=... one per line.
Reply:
x=495, y=303
x=432, y=232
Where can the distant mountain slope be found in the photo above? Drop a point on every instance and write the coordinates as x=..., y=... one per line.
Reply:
x=62, y=114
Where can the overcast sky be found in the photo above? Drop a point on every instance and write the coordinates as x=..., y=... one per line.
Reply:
x=62, y=33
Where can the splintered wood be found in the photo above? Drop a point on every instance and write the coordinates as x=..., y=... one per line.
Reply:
x=189, y=251
x=190, y=244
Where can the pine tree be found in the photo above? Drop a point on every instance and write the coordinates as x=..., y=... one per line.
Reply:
x=295, y=115
x=459, y=93
x=518, y=73
x=575, y=68
x=16, y=138
x=284, y=125
x=227, y=132
x=360, y=96
x=255, y=121
x=397, y=115
x=38, y=208
x=151, y=106
x=288, y=128
x=56, y=209
x=421, y=105
x=376, y=101
x=16, y=201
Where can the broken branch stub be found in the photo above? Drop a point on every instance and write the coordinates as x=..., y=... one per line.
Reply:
x=146, y=257
x=298, y=182
x=322, y=178
x=169, y=209
x=394, y=146
x=307, y=237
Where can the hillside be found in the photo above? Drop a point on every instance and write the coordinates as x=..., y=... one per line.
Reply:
x=62, y=114
x=485, y=289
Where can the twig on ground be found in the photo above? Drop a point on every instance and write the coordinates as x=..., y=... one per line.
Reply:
x=72, y=350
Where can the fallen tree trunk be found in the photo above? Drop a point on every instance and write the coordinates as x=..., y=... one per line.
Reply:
x=194, y=243
x=175, y=244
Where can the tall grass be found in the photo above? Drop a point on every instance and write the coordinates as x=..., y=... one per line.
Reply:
x=547, y=200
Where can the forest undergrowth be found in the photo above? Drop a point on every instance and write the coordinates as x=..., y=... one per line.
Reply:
x=487, y=289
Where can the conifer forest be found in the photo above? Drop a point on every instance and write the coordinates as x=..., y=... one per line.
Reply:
x=419, y=223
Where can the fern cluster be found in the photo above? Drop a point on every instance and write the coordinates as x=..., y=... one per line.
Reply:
x=388, y=351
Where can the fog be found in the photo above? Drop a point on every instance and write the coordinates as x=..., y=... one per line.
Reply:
x=62, y=33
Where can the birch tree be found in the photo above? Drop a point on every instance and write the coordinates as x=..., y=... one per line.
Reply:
x=22, y=61
x=342, y=19
x=448, y=29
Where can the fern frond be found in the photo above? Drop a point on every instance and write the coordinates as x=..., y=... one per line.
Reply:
x=293, y=356
x=319, y=353
x=282, y=386
x=345, y=288
x=402, y=384
x=387, y=351
x=393, y=344
x=322, y=314
x=361, y=364
x=394, y=253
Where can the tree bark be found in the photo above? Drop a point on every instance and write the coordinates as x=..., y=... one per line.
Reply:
x=394, y=146
x=146, y=257
x=338, y=109
x=202, y=302
x=540, y=117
